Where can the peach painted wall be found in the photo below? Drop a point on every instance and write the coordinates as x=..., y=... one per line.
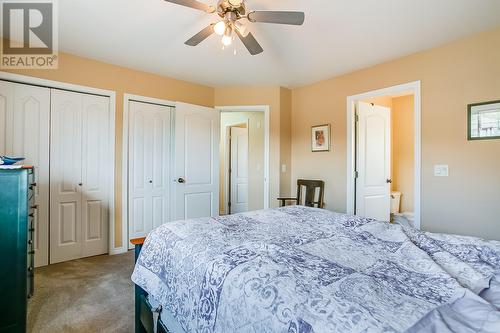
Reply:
x=403, y=150
x=285, y=141
x=452, y=76
x=87, y=72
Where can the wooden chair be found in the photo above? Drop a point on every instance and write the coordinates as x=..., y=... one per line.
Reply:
x=311, y=186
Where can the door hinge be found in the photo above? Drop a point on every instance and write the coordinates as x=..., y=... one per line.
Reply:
x=356, y=174
x=356, y=117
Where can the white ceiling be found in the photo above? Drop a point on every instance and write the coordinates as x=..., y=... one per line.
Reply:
x=338, y=36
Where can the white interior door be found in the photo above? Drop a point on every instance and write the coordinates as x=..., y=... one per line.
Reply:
x=196, y=173
x=79, y=173
x=149, y=167
x=96, y=161
x=24, y=132
x=373, y=161
x=66, y=176
x=239, y=170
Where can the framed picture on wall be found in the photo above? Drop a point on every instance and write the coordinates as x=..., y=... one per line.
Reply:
x=483, y=121
x=321, y=138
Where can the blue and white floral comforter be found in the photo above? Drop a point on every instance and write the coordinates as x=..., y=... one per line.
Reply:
x=299, y=269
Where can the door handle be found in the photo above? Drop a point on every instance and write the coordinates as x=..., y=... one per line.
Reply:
x=150, y=181
x=181, y=180
x=389, y=181
x=80, y=184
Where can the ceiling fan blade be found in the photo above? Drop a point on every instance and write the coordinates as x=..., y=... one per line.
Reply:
x=293, y=18
x=200, y=36
x=194, y=4
x=250, y=43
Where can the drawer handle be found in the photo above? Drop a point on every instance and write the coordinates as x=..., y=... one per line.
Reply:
x=31, y=229
x=30, y=242
x=33, y=184
x=31, y=215
x=34, y=207
x=31, y=252
x=30, y=268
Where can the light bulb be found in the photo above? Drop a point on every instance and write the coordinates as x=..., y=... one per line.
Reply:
x=227, y=40
x=242, y=29
x=236, y=3
x=220, y=28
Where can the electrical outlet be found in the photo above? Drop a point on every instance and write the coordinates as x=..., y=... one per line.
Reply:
x=441, y=171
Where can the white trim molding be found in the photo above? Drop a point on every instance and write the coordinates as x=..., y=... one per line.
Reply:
x=31, y=80
x=127, y=98
x=257, y=108
x=412, y=88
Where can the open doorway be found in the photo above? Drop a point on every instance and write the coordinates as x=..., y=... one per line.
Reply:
x=243, y=160
x=384, y=161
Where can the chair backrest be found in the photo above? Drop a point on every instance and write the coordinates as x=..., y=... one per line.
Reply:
x=310, y=192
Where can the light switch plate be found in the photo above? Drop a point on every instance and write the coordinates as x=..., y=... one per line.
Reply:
x=441, y=171
x=283, y=168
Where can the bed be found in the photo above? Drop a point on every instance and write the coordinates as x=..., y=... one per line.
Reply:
x=301, y=269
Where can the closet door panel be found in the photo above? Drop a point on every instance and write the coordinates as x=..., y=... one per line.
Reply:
x=96, y=161
x=31, y=140
x=140, y=155
x=160, y=165
x=24, y=131
x=6, y=113
x=149, y=167
x=66, y=176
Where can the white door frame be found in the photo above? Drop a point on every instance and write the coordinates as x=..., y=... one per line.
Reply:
x=23, y=79
x=127, y=98
x=256, y=108
x=412, y=88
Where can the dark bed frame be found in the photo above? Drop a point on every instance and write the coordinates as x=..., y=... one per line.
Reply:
x=144, y=312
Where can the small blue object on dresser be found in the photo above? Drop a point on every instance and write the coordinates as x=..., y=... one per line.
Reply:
x=5, y=160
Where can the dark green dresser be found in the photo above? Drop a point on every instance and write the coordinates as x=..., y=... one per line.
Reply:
x=16, y=246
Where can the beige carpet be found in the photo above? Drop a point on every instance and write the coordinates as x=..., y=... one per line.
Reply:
x=87, y=295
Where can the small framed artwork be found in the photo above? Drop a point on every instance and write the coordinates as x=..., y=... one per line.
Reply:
x=321, y=139
x=483, y=121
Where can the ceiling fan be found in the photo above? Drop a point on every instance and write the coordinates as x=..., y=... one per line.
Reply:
x=231, y=12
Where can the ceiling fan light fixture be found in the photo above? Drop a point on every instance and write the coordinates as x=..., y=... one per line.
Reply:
x=227, y=39
x=220, y=28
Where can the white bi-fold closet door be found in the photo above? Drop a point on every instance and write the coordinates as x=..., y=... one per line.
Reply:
x=173, y=164
x=149, y=167
x=80, y=157
x=24, y=131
